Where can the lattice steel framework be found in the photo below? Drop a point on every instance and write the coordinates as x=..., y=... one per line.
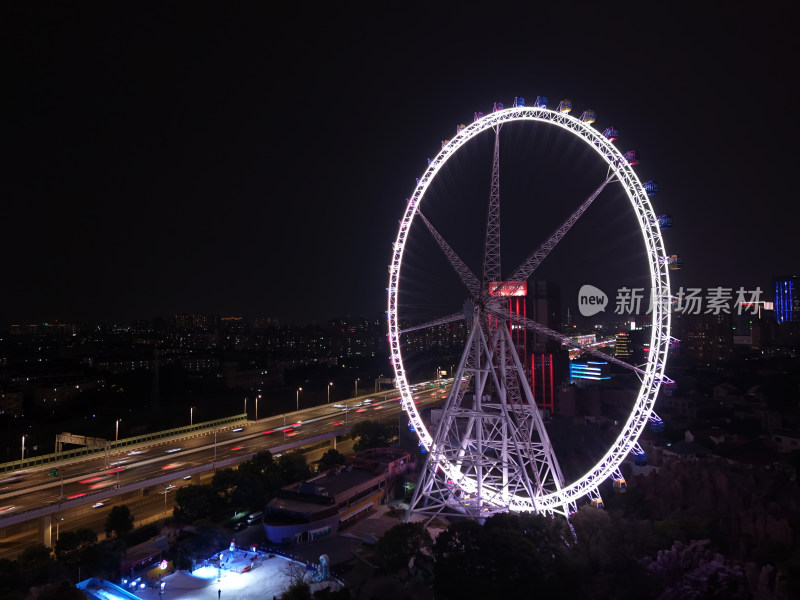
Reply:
x=491, y=452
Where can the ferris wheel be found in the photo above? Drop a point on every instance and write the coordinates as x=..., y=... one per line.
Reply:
x=491, y=451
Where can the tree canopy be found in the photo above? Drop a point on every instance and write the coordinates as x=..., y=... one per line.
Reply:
x=402, y=542
x=119, y=520
x=372, y=434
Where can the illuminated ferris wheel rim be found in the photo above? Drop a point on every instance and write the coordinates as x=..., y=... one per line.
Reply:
x=652, y=373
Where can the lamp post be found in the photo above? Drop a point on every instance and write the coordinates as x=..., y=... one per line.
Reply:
x=298, y=397
x=191, y=416
x=330, y=383
x=116, y=430
x=356, y=387
x=23, y=447
x=257, y=397
x=245, y=407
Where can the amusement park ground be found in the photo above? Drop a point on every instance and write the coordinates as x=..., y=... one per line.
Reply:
x=349, y=553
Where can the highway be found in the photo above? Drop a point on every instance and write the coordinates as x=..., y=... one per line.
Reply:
x=138, y=476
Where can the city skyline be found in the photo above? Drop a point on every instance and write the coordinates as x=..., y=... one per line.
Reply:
x=252, y=163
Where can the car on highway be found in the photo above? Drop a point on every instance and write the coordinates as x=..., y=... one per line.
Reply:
x=339, y=406
x=98, y=505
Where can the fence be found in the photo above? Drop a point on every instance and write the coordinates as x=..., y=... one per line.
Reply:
x=55, y=457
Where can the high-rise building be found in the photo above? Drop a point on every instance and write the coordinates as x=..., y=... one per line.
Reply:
x=787, y=298
x=705, y=338
x=545, y=302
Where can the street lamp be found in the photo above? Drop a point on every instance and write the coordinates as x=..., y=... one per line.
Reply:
x=357, y=387
x=116, y=430
x=257, y=397
x=298, y=397
x=245, y=407
x=191, y=416
x=330, y=383
x=23, y=447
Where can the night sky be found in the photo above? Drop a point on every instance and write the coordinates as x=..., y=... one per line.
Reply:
x=234, y=159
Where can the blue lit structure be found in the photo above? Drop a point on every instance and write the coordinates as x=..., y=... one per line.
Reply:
x=591, y=370
x=787, y=299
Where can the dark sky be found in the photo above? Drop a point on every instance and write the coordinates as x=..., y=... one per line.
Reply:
x=241, y=160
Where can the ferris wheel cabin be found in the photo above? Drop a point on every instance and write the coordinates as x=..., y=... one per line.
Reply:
x=611, y=134
x=632, y=156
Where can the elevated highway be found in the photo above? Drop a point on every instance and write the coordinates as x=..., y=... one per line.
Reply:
x=142, y=471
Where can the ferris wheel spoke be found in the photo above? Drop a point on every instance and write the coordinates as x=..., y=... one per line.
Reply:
x=567, y=341
x=491, y=257
x=467, y=276
x=459, y=316
x=526, y=269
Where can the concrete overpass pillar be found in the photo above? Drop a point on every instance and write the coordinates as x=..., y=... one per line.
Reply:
x=46, y=529
x=196, y=479
x=333, y=442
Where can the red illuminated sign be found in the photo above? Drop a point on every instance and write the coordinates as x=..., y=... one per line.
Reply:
x=508, y=289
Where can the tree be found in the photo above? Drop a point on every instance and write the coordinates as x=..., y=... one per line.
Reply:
x=293, y=467
x=299, y=590
x=263, y=469
x=372, y=434
x=119, y=520
x=402, y=542
x=36, y=566
x=196, y=502
x=70, y=544
x=331, y=459
x=261, y=464
x=505, y=558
